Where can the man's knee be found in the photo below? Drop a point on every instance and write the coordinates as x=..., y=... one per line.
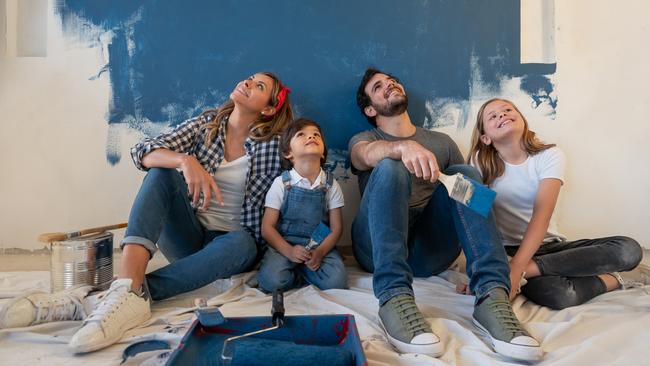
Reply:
x=466, y=170
x=392, y=169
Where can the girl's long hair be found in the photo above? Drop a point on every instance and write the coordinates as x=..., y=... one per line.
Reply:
x=487, y=157
x=262, y=129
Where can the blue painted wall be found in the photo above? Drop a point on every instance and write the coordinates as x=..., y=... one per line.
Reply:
x=170, y=60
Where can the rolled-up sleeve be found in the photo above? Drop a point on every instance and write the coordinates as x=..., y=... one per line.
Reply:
x=180, y=139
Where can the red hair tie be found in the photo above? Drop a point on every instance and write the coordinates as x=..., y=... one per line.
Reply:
x=282, y=96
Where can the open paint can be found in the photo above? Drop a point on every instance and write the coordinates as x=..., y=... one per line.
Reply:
x=86, y=260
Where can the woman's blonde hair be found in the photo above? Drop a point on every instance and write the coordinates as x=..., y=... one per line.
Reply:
x=263, y=129
x=487, y=157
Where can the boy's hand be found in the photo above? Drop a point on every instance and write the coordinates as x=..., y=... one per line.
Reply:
x=299, y=254
x=316, y=259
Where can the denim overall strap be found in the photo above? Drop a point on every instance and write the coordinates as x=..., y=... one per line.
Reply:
x=302, y=210
x=286, y=179
x=329, y=179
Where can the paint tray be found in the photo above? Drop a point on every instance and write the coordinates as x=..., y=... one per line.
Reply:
x=202, y=345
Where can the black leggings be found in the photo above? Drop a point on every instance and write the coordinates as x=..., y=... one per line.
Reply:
x=569, y=269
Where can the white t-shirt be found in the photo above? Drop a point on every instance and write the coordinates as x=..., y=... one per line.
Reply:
x=231, y=180
x=516, y=191
x=275, y=195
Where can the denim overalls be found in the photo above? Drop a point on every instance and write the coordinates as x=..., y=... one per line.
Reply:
x=302, y=210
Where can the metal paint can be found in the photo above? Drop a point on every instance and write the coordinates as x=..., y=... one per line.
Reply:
x=86, y=260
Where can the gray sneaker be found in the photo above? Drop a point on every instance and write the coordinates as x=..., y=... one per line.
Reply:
x=494, y=316
x=406, y=329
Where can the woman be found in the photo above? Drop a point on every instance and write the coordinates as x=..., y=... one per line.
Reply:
x=200, y=203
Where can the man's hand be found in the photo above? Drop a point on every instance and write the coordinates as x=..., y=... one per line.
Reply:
x=199, y=181
x=419, y=161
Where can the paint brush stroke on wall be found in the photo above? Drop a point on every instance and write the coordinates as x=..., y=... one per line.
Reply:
x=170, y=60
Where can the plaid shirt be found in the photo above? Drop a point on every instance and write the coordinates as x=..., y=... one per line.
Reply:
x=263, y=162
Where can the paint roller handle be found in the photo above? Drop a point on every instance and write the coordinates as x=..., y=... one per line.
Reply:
x=50, y=237
x=277, y=308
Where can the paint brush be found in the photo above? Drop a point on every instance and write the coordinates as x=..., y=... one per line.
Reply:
x=50, y=237
x=469, y=192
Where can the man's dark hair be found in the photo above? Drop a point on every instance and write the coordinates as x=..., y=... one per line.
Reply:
x=290, y=132
x=363, y=99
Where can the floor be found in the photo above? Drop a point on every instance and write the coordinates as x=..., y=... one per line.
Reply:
x=41, y=261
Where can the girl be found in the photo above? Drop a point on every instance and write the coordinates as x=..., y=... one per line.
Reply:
x=299, y=203
x=200, y=204
x=527, y=176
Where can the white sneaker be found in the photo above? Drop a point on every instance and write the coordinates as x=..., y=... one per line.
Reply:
x=118, y=310
x=40, y=307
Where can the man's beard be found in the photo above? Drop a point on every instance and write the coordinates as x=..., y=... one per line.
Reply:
x=394, y=108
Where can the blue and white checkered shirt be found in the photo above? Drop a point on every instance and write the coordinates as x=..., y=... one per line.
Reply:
x=263, y=162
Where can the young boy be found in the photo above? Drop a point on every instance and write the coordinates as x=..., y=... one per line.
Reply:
x=302, y=221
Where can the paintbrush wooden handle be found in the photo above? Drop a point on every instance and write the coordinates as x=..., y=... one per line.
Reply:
x=50, y=237
x=447, y=180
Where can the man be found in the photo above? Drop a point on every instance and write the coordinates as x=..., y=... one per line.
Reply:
x=407, y=225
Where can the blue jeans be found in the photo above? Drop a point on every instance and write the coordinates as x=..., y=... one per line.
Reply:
x=395, y=242
x=301, y=212
x=277, y=272
x=570, y=269
x=162, y=217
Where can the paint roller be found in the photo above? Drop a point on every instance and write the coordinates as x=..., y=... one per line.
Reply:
x=247, y=350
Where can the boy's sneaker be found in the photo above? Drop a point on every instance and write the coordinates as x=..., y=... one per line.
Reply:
x=406, y=328
x=40, y=307
x=118, y=310
x=494, y=316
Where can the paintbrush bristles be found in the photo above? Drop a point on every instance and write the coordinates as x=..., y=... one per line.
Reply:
x=463, y=189
x=468, y=192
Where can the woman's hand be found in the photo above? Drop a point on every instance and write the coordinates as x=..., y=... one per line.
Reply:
x=199, y=181
x=299, y=254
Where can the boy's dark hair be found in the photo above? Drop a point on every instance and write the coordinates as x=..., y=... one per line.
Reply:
x=363, y=99
x=292, y=130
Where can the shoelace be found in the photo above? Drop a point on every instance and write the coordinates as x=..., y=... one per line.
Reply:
x=59, y=309
x=107, y=303
x=411, y=316
x=505, y=316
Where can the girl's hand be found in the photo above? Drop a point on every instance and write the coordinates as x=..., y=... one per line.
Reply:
x=316, y=259
x=199, y=181
x=299, y=254
x=516, y=273
x=463, y=289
